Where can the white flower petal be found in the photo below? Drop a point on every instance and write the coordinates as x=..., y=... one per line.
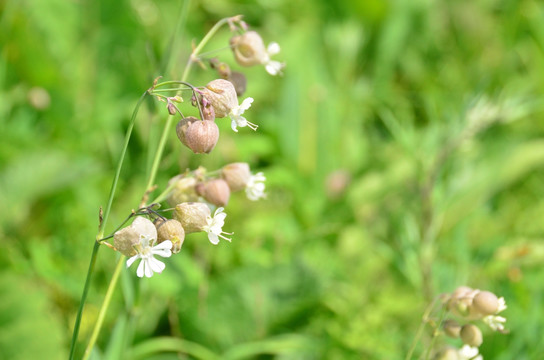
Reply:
x=273, y=48
x=132, y=260
x=233, y=125
x=273, y=67
x=468, y=352
x=246, y=104
x=214, y=239
x=163, y=249
x=148, y=271
x=156, y=265
x=140, y=271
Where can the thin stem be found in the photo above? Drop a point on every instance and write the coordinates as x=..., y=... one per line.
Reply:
x=104, y=308
x=83, y=298
x=151, y=179
x=102, y=226
x=160, y=149
x=119, y=166
x=435, y=334
x=201, y=45
x=419, y=332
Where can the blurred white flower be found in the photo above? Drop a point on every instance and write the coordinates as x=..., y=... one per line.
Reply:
x=468, y=352
x=214, y=226
x=236, y=115
x=272, y=67
x=502, y=305
x=146, y=249
x=255, y=187
x=495, y=322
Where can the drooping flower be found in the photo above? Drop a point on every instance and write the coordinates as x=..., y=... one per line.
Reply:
x=214, y=226
x=221, y=94
x=138, y=240
x=249, y=50
x=255, y=187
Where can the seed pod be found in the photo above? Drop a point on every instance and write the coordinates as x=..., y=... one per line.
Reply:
x=236, y=175
x=486, y=303
x=248, y=48
x=471, y=335
x=171, y=230
x=201, y=136
x=222, y=95
x=215, y=191
x=182, y=127
x=451, y=328
x=192, y=216
x=183, y=190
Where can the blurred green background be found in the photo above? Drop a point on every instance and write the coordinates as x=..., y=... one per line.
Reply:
x=404, y=153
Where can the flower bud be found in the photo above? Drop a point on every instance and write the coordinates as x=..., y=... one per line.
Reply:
x=461, y=300
x=471, y=335
x=215, y=191
x=125, y=239
x=199, y=136
x=486, y=303
x=222, y=95
x=236, y=175
x=172, y=109
x=192, y=216
x=170, y=230
x=239, y=81
x=183, y=190
x=248, y=48
x=451, y=328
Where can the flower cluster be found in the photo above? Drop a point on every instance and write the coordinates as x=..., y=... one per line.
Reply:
x=470, y=306
x=193, y=195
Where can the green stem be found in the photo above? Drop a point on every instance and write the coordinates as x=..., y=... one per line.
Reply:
x=151, y=179
x=101, y=228
x=420, y=329
x=201, y=45
x=119, y=166
x=83, y=298
x=104, y=308
x=158, y=155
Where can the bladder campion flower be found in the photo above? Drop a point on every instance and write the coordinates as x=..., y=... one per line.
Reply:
x=141, y=237
x=255, y=187
x=222, y=95
x=214, y=226
x=249, y=50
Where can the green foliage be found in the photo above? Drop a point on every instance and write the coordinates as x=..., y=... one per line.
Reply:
x=403, y=152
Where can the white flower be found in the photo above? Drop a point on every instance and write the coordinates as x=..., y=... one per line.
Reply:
x=495, y=322
x=237, y=118
x=214, y=226
x=272, y=67
x=146, y=249
x=255, y=187
x=468, y=352
x=502, y=305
